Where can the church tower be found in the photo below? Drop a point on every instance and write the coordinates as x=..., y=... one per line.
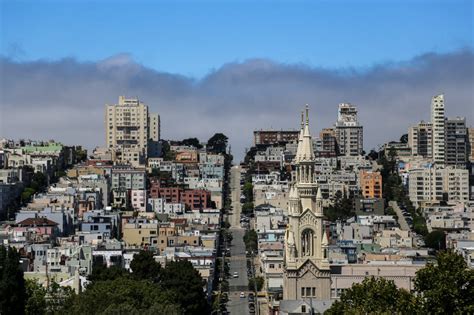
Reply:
x=307, y=273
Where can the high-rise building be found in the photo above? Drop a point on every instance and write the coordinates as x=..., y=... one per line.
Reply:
x=456, y=142
x=328, y=140
x=130, y=128
x=437, y=121
x=306, y=267
x=470, y=136
x=349, y=133
x=420, y=139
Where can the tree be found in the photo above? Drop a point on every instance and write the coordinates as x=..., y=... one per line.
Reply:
x=186, y=286
x=100, y=272
x=217, y=143
x=124, y=296
x=404, y=138
x=251, y=240
x=194, y=142
x=247, y=208
x=144, y=266
x=373, y=155
x=341, y=209
x=375, y=296
x=436, y=239
x=256, y=284
x=12, y=284
x=35, y=298
x=447, y=286
x=248, y=191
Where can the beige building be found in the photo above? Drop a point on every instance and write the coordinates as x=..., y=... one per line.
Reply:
x=306, y=264
x=402, y=273
x=431, y=185
x=420, y=139
x=140, y=233
x=131, y=129
x=394, y=238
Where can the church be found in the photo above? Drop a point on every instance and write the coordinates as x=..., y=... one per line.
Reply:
x=306, y=266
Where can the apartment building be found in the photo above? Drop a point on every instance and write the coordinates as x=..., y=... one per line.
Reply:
x=349, y=133
x=131, y=129
x=434, y=184
x=140, y=232
x=328, y=143
x=438, y=125
x=456, y=144
x=370, y=184
x=274, y=136
x=420, y=139
x=470, y=140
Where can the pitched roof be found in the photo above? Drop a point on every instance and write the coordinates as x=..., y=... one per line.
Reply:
x=37, y=222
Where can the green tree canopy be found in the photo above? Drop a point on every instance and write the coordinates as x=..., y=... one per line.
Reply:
x=446, y=287
x=124, y=296
x=192, y=142
x=436, y=239
x=187, y=286
x=12, y=284
x=374, y=296
x=144, y=266
x=217, y=143
x=404, y=138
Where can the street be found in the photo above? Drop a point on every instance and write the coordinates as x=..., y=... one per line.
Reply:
x=237, y=305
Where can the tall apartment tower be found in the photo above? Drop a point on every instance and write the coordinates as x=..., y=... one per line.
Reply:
x=470, y=136
x=349, y=133
x=420, y=139
x=456, y=142
x=306, y=264
x=438, y=120
x=328, y=143
x=129, y=125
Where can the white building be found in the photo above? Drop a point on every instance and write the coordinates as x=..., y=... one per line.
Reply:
x=437, y=120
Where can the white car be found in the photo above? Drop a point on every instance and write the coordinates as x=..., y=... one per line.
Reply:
x=236, y=275
x=242, y=295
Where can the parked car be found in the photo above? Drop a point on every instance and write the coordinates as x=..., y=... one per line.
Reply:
x=235, y=275
x=242, y=295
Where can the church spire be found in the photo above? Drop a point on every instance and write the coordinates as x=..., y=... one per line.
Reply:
x=305, y=150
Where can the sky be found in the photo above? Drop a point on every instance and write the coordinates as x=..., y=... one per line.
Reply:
x=231, y=66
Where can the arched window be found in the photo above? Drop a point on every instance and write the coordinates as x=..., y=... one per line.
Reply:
x=307, y=243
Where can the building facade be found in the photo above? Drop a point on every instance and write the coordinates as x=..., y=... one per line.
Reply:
x=349, y=133
x=437, y=121
x=130, y=127
x=371, y=184
x=306, y=264
x=456, y=145
x=420, y=139
x=434, y=184
x=274, y=136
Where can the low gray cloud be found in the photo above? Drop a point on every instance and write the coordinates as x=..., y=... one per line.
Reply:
x=65, y=99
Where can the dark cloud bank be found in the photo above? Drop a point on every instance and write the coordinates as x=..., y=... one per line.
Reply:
x=65, y=99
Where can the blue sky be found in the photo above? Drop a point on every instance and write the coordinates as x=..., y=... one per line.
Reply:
x=195, y=37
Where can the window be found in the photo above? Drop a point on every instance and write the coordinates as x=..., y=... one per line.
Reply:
x=303, y=308
x=302, y=292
